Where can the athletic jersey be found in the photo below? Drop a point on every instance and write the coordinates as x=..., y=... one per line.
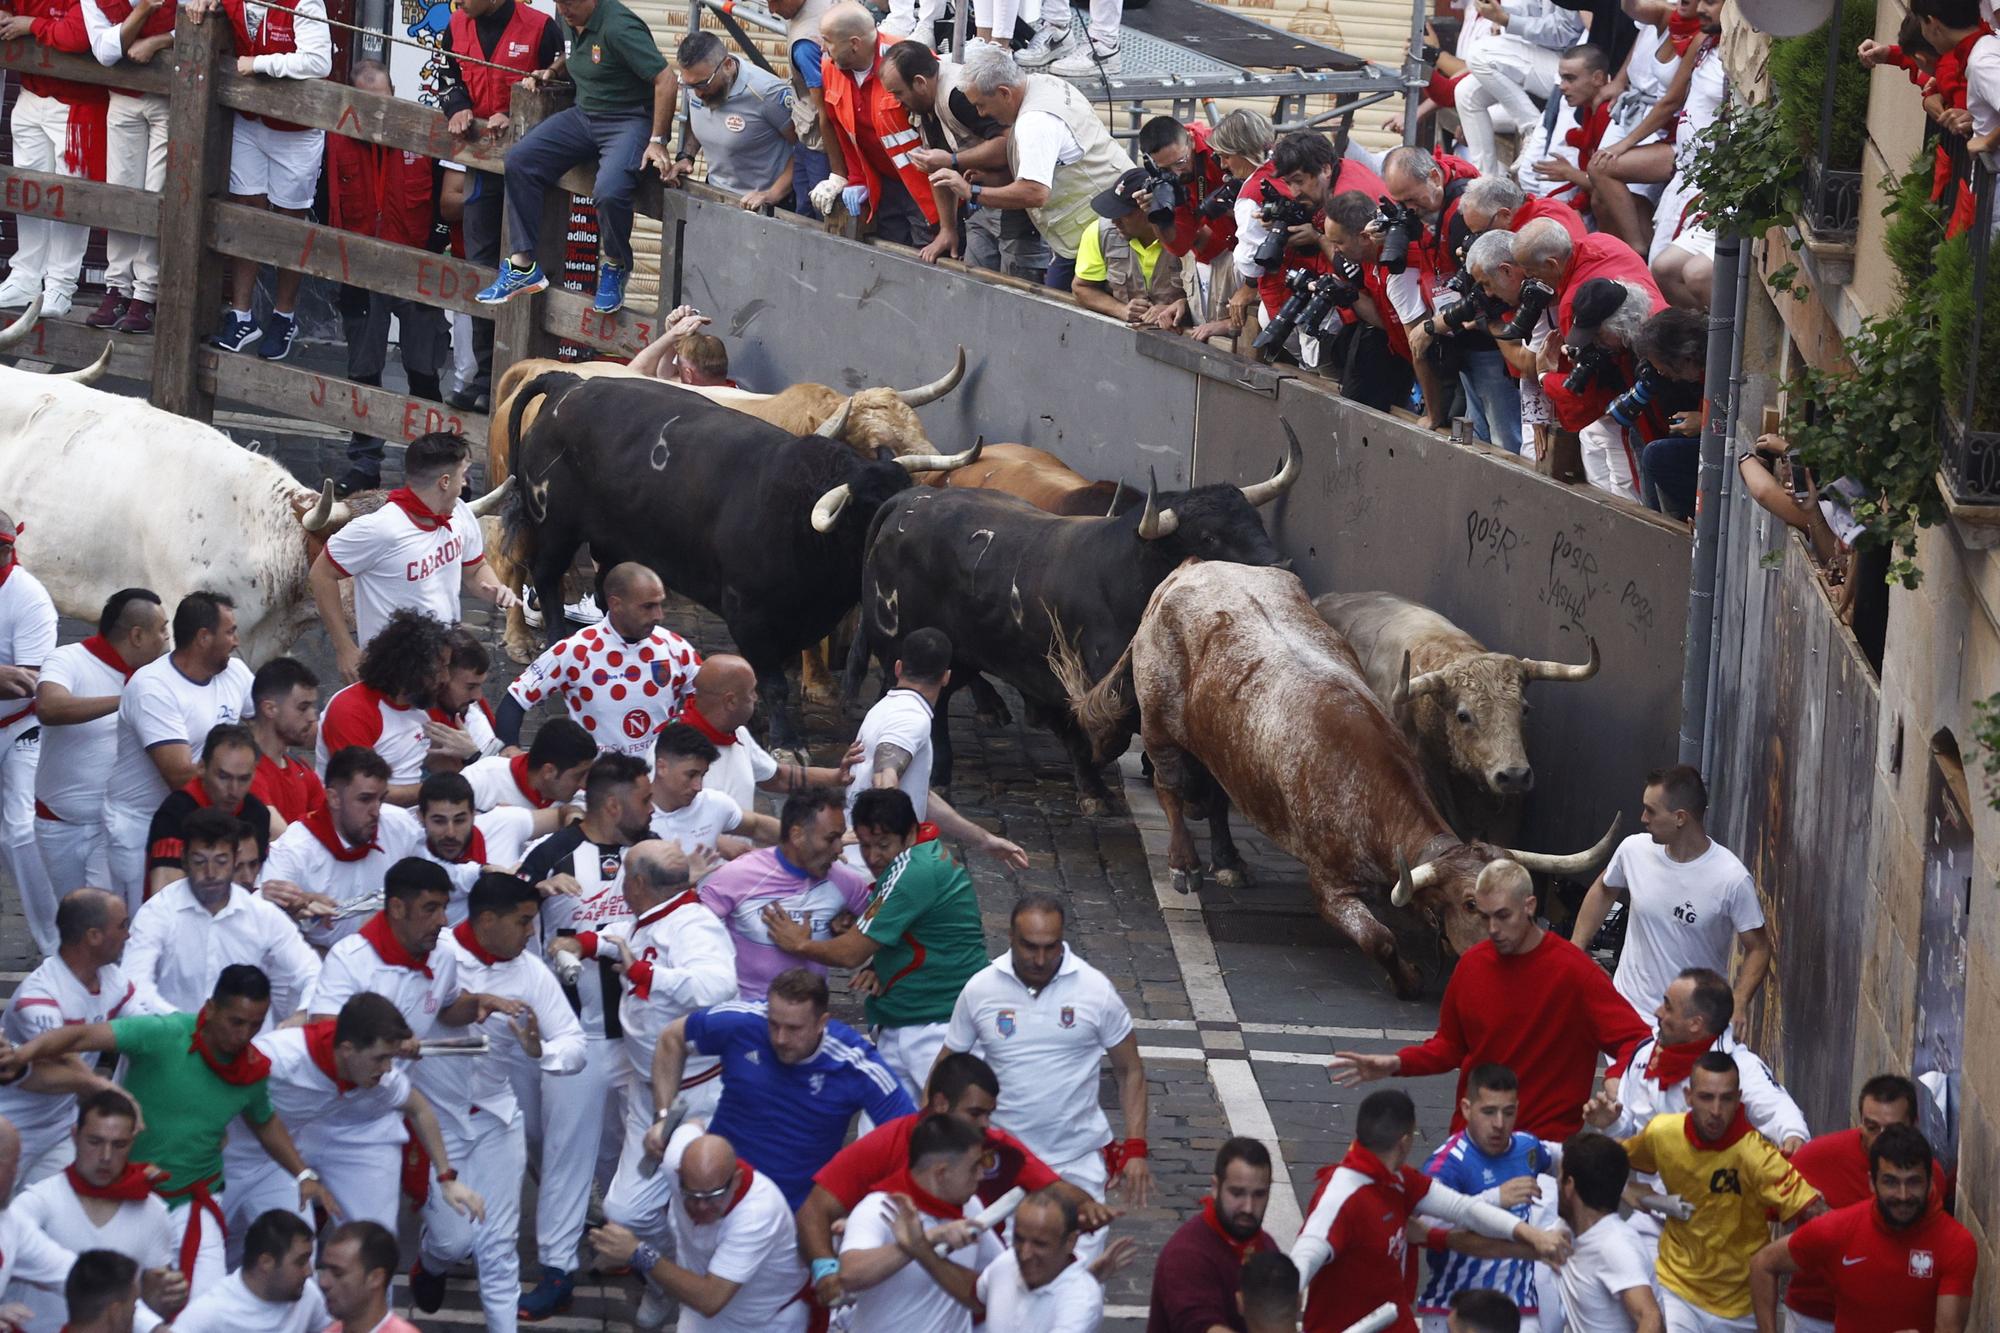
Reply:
x=924, y=913
x=740, y=891
x=27, y=632
x=755, y=1244
x=161, y=706
x=188, y=1105
x=620, y=691
x=362, y=715
x=291, y=788
x=315, y=856
x=372, y=959
x=502, y=779
x=143, y=1230
x=599, y=871
x=683, y=960
x=1467, y=1168
x=1883, y=1278
x=178, y=948
x=403, y=555
x=164, y=848
x=48, y=998
x=698, y=823
x=789, y=1120
x=77, y=757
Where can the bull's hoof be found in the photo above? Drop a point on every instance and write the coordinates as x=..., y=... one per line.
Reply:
x=1231, y=877
x=1090, y=806
x=1186, y=881
x=1407, y=982
x=821, y=693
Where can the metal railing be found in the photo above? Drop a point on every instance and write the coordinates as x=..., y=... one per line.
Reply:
x=1969, y=429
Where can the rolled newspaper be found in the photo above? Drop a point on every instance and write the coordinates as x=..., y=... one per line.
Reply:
x=1667, y=1205
x=453, y=1046
x=367, y=906
x=1375, y=1320
x=568, y=966
x=649, y=1165
x=993, y=1214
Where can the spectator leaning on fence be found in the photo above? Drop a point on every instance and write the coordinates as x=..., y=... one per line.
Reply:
x=1122, y=269
x=625, y=91
x=57, y=127
x=805, y=56
x=868, y=135
x=135, y=153
x=740, y=117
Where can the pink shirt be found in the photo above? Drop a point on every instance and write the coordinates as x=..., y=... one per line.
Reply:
x=390, y=1324
x=741, y=890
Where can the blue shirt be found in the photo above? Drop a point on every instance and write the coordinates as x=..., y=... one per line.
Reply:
x=789, y=1120
x=1462, y=1165
x=806, y=59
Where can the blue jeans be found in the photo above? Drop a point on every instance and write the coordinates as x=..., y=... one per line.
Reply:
x=809, y=168
x=1492, y=399
x=565, y=140
x=1062, y=272
x=1670, y=475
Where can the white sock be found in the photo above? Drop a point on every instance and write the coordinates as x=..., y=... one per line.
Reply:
x=239, y=314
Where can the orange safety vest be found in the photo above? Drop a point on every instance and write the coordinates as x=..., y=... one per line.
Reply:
x=891, y=128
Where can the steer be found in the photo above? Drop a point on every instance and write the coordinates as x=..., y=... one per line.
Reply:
x=1241, y=684
x=1459, y=704
x=1007, y=583
x=763, y=527
x=1043, y=480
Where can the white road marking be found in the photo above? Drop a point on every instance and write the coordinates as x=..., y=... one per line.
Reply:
x=1243, y=1102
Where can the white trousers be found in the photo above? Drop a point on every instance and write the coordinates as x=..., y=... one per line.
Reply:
x=1670, y=212
x=1505, y=71
x=210, y=1264
x=913, y=18
x=910, y=1052
x=1609, y=463
x=74, y=853
x=1683, y=1317
x=1106, y=20
x=135, y=132
x=573, y=1125
x=492, y=1163
x=1805, y=1323
x=1089, y=1174
x=20, y=755
x=364, y=1172
x=125, y=851
x=636, y=1201
x=51, y=253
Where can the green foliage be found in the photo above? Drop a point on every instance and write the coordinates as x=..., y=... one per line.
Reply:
x=1748, y=170
x=1986, y=739
x=1950, y=292
x=1798, y=74
x=1916, y=225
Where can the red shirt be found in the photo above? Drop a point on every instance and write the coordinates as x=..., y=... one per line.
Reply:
x=1885, y=1280
x=1197, y=1276
x=291, y=788
x=863, y=1164
x=1187, y=218
x=1835, y=1165
x=1541, y=206
x=1598, y=255
x=1365, y=1210
x=1546, y=1015
x=377, y=191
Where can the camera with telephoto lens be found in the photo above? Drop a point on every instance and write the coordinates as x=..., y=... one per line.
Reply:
x=1221, y=201
x=1529, y=307
x=1165, y=190
x=1590, y=360
x=1280, y=213
x=1299, y=282
x=1627, y=406
x=1399, y=227
x=1338, y=290
x=1474, y=306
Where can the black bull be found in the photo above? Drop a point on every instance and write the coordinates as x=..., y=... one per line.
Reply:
x=1005, y=581
x=738, y=515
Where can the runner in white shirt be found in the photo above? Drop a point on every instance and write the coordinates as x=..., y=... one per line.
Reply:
x=725, y=699
x=384, y=710
x=621, y=680
x=416, y=552
x=272, y=1293
x=736, y=1266
x=1689, y=901
x=459, y=723
x=395, y=955
x=1607, y=1284
x=888, y=1262
x=464, y=843
x=1038, y=1285
x=26, y=1255
x=27, y=637
x=523, y=1014
x=104, y=1201
x=77, y=702
x=168, y=708
x=687, y=811
x=189, y=931
x=548, y=774
x=342, y=852
x=81, y=984
x=1044, y=1020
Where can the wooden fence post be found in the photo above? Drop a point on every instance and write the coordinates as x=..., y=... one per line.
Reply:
x=197, y=168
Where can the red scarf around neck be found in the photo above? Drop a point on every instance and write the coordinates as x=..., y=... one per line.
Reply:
x=319, y=1045
x=421, y=514
x=475, y=849
x=250, y=1065
x=1670, y=1066
x=930, y=1205
x=320, y=824
x=692, y=715
x=100, y=648
x=390, y=949
x=518, y=766
x=462, y=932
x=131, y=1186
x=1737, y=1129
x=1242, y=1249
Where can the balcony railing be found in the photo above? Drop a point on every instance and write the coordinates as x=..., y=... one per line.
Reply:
x=1971, y=463
x=1832, y=202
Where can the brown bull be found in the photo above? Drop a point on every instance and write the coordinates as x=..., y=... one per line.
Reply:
x=1241, y=682
x=1042, y=479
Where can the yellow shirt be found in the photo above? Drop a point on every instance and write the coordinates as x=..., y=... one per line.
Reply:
x=1090, y=257
x=1737, y=1192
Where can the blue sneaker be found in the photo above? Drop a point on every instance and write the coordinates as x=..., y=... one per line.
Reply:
x=512, y=282
x=238, y=332
x=611, y=279
x=278, y=335
x=551, y=1296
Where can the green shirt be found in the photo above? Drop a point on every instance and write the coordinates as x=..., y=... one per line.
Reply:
x=613, y=61
x=187, y=1107
x=925, y=915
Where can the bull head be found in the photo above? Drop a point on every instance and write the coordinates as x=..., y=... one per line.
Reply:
x=1425, y=876
x=1156, y=522
x=21, y=327
x=1263, y=492
x=1535, y=670
x=328, y=514
x=938, y=388
x=826, y=512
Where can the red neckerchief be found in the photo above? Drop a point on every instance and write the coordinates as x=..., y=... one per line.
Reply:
x=130, y=1187
x=1683, y=29
x=518, y=766
x=692, y=716
x=1737, y=1129
x=319, y=1045
x=748, y=1174
x=667, y=908
x=390, y=949
x=1950, y=73
x=1588, y=136
x=1670, y=1066
x=475, y=849
x=927, y=832
x=100, y=648
x=462, y=932
x=7, y=570
x=250, y=1065
x=1242, y=1249
x=1368, y=1164
x=420, y=513
x=320, y=824
x=927, y=1203
x=200, y=794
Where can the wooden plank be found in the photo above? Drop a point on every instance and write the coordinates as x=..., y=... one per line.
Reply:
x=645, y=200
x=41, y=194
x=378, y=118
x=69, y=345
x=362, y=261
x=197, y=171
x=26, y=56
x=294, y=392
x=569, y=317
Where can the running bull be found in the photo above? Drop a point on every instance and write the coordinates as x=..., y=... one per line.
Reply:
x=763, y=527
x=1042, y=479
x=1241, y=684
x=1459, y=704
x=1007, y=583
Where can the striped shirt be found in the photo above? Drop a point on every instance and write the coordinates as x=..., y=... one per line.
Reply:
x=1466, y=1167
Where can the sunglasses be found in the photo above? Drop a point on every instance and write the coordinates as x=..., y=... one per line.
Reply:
x=709, y=1196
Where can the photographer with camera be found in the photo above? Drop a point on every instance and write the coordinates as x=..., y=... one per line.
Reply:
x=1277, y=232
x=1589, y=373
x=1672, y=348
x=1498, y=203
x=1525, y=323
x=1122, y=268
x=1184, y=174
x=1376, y=367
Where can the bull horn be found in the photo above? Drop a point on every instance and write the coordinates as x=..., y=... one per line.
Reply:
x=1408, y=881
x=942, y=462
x=1406, y=689
x=1156, y=522
x=328, y=513
x=1562, y=670
x=91, y=373
x=834, y=426
x=1543, y=863
x=827, y=512
x=936, y=389
x=1288, y=471
x=490, y=502
x=19, y=329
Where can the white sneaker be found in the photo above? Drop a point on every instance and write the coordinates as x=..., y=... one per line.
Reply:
x=654, y=1308
x=17, y=291
x=1080, y=63
x=585, y=612
x=1049, y=45
x=54, y=304
x=531, y=608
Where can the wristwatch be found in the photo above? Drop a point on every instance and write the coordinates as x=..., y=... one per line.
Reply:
x=661, y=140
x=305, y=1175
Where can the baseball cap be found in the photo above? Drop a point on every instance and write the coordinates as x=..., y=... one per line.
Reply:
x=1596, y=301
x=1116, y=202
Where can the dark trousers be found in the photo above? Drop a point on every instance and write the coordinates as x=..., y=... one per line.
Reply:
x=1061, y=272
x=1370, y=373
x=425, y=342
x=485, y=211
x=1670, y=475
x=566, y=140
x=809, y=168
x=898, y=218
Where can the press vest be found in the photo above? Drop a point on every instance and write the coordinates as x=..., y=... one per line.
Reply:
x=1124, y=276
x=804, y=27
x=1062, y=219
x=492, y=89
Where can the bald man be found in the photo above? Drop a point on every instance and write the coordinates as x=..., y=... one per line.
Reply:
x=621, y=680
x=725, y=699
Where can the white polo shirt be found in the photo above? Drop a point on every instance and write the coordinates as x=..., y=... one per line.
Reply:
x=177, y=950
x=1679, y=916
x=48, y=998
x=418, y=992
x=620, y=691
x=1045, y=1049
x=909, y=1299
x=77, y=758
x=361, y=715
x=160, y=706
x=27, y=633
x=1608, y=1260
x=304, y=855
x=142, y=1230
x=755, y=1244
x=901, y=718
x=502, y=779
x=1073, y=1303
x=700, y=822
x=398, y=560
x=229, y=1307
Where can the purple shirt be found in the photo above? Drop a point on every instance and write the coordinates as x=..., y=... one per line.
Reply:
x=741, y=890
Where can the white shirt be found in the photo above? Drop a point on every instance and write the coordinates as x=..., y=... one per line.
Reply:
x=755, y=1244
x=909, y=1299
x=1982, y=94
x=299, y=857
x=496, y=782
x=1769, y=1107
x=359, y=715
x=700, y=822
x=1073, y=1303
x=177, y=950
x=1607, y=1259
x=1046, y=1050
x=620, y=691
x=1043, y=144
x=901, y=718
x=506, y=831
x=77, y=757
x=143, y=1231
x=27, y=634
x=26, y=1255
x=686, y=961
x=314, y=57
x=1679, y=916
x=304, y=1095
x=51, y=997
x=354, y=965
x=229, y=1307
x=394, y=563
x=161, y=706
x=457, y=1084
x=739, y=768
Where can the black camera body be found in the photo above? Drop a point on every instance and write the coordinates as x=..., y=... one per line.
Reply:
x=1587, y=363
x=1221, y=201
x=1399, y=227
x=1280, y=212
x=1626, y=407
x=1529, y=307
x=1474, y=306
x=1166, y=190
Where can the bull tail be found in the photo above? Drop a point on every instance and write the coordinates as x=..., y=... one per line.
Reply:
x=1100, y=708
x=519, y=517
x=857, y=666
